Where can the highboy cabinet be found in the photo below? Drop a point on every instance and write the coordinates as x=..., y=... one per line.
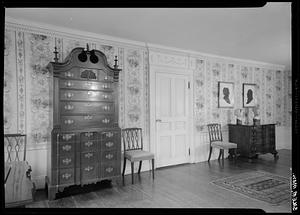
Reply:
x=85, y=139
x=252, y=140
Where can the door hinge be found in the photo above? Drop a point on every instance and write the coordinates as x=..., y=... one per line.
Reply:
x=189, y=85
x=189, y=151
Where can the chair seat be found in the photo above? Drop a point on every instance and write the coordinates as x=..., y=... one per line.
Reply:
x=224, y=145
x=137, y=155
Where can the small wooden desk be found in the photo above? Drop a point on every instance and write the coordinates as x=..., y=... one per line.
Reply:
x=19, y=188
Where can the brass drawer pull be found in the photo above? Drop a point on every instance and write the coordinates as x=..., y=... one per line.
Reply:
x=88, y=134
x=69, y=95
x=105, y=78
x=105, y=96
x=109, y=156
x=105, y=107
x=90, y=93
x=67, y=136
x=105, y=120
x=104, y=86
x=69, y=84
x=109, y=134
x=109, y=169
x=66, y=161
x=88, y=144
x=67, y=147
x=69, y=107
x=88, y=155
x=66, y=176
x=89, y=168
x=69, y=74
x=88, y=104
x=88, y=117
x=88, y=83
x=69, y=121
x=109, y=144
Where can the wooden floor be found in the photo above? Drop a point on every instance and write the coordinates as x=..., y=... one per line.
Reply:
x=183, y=186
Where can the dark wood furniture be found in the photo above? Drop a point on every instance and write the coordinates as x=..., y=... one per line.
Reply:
x=253, y=139
x=216, y=141
x=19, y=189
x=133, y=150
x=85, y=144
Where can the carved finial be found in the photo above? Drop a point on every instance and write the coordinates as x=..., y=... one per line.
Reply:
x=116, y=62
x=55, y=52
x=87, y=47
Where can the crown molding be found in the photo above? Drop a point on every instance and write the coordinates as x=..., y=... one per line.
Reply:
x=57, y=31
x=206, y=56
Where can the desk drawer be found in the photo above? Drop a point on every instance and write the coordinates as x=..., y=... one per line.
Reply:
x=66, y=176
x=107, y=156
x=89, y=171
x=110, y=169
x=66, y=147
x=89, y=157
x=89, y=145
x=87, y=121
x=84, y=95
x=66, y=161
x=86, y=107
x=85, y=85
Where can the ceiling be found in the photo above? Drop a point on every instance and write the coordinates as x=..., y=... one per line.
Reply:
x=261, y=34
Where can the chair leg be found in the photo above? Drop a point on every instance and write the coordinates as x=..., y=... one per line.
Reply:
x=140, y=167
x=153, y=168
x=235, y=155
x=132, y=171
x=223, y=155
x=124, y=166
x=210, y=150
x=220, y=153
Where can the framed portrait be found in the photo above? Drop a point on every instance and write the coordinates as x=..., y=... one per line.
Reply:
x=225, y=94
x=249, y=95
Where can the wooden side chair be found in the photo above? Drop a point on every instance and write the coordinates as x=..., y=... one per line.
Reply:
x=133, y=150
x=19, y=189
x=216, y=141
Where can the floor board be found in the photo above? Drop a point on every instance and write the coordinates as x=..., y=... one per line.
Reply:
x=182, y=186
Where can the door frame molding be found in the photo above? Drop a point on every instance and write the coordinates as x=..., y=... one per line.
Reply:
x=153, y=69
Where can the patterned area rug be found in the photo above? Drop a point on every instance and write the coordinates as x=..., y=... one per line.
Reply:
x=259, y=185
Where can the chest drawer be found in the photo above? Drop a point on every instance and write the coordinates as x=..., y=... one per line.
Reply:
x=66, y=161
x=66, y=147
x=66, y=176
x=87, y=121
x=67, y=137
x=85, y=136
x=109, y=135
x=108, y=144
x=107, y=156
x=89, y=171
x=89, y=145
x=85, y=85
x=88, y=157
x=110, y=169
x=86, y=107
x=85, y=95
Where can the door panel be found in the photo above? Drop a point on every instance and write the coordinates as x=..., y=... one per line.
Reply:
x=172, y=115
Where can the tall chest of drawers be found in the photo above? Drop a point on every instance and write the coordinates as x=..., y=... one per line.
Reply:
x=85, y=139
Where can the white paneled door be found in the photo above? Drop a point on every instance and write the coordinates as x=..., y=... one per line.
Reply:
x=172, y=119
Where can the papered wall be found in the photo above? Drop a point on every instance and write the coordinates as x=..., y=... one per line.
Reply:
x=27, y=107
x=273, y=91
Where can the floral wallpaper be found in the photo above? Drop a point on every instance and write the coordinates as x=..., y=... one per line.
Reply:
x=271, y=85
